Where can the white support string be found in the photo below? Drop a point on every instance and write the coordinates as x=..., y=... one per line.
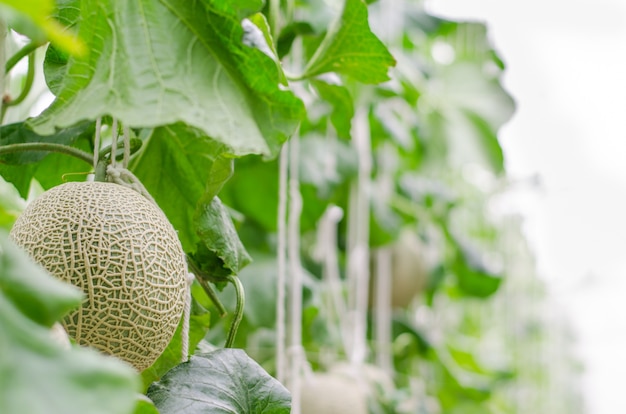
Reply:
x=281, y=302
x=358, y=239
x=386, y=160
x=326, y=252
x=295, y=271
x=184, y=332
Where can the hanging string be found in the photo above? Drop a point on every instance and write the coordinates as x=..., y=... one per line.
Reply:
x=358, y=241
x=281, y=302
x=184, y=332
x=122, y=175
x=326, y=252
x=386, y=160
x=296, y=352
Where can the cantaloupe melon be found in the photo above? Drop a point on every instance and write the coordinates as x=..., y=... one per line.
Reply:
x=332, y=393
x=409, y=269
x=120, y=249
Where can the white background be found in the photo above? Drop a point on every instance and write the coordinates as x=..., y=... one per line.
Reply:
x=566, y=68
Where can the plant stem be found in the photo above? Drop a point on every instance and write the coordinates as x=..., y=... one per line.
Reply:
x=47, y=147
x=30, y=77
x=20, y=54
x=135, y=145
x=274, y=17
x=202, y=279
x=3, y=35
x=238, y=314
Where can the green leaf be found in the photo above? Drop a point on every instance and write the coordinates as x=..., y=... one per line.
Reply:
x=475, y=277
x=222, y=252
x=45, y=301
x=343, y=106
x=39, y=26
x=145, y=406
x=488, y=138
x=350, y=48
x=179, y=166
x=39, y=375
x=160, y=63
x=224, y=381
x=199, y=323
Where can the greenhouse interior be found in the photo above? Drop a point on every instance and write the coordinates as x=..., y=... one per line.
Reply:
x=311, y=207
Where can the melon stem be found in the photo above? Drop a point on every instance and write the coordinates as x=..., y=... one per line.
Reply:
x=238, y=314
x=203, y=279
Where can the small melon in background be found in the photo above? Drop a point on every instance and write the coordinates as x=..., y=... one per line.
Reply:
x=411, y=261
x=122, y=252
x=409, y=268
x=332, y=393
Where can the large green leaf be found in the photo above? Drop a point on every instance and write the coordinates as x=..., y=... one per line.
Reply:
x=39, y=376
x=160, y=63
x=351, y=48
x=225, y=381
x=179, y=166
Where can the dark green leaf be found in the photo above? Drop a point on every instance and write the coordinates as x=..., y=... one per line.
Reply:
x=39, y=376
x=222, y=382
x=350, y=48
x=289, y=33
x=54, y=67
x=179, y=166
x=160, y=63
x=226, y=254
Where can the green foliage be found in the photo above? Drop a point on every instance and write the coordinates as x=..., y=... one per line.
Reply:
x=64, y=381
x=350, y=48
x=32, y=18
x=199, y=323
x=201, y=86
x=193, y=72
x=226, y=380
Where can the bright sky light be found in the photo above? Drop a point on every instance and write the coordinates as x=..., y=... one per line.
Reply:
x=566, y=67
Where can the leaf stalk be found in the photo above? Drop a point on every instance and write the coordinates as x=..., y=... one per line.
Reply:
x=47, y=147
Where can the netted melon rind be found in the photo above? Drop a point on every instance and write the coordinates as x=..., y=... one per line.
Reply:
x=121, y=250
